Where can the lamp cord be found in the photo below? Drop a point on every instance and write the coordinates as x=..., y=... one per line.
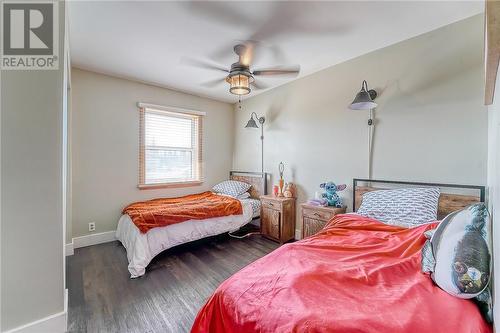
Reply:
x=245, y=235
x=371, y=129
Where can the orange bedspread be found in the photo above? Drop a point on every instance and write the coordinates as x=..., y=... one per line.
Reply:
x=166, y=211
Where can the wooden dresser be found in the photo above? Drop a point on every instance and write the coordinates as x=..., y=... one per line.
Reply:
x=277, y=218
x=314, y=218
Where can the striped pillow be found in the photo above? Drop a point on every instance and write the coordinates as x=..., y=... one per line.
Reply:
x=406, y=207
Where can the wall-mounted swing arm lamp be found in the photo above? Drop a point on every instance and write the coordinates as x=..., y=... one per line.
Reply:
x=364, y=101
x=252, y=124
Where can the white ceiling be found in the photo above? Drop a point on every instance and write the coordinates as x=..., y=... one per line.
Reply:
x=147, y=41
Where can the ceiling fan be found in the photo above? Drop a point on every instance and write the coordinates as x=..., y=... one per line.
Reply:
x=240, y=76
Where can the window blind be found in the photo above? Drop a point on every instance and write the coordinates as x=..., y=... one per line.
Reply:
x=170, y=148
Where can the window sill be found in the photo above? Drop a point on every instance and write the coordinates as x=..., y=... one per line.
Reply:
x=169, y=185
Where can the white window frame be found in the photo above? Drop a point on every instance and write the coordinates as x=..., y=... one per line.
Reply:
x=197, y=149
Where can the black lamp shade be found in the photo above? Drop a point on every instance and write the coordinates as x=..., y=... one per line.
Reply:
x=364, y=100
x=251, y=124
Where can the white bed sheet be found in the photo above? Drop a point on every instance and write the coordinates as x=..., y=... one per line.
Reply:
x=142, y=248
x=255, y=206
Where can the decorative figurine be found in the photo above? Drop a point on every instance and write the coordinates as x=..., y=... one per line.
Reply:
x=281, y=168
x=331, y=195
x=289, y=190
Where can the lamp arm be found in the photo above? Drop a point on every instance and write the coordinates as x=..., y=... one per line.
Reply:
x=262, y=148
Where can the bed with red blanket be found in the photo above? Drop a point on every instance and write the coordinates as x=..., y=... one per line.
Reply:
x=356, y=275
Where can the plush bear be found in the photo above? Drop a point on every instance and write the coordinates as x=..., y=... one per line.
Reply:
x=331, y=195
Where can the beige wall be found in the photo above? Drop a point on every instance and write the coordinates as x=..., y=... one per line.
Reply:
x=431, y=123
x=494, y=187
x=32, y=273
x=105, y=145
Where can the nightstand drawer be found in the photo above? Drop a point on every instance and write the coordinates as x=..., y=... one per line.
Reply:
x=271, y=204
x=317, y=214
x=312, y=226
x=314, y=218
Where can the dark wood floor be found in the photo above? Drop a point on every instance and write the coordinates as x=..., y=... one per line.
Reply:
x=102, y=297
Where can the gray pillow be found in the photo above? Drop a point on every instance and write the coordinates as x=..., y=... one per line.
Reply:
x=232, y=188
x=406, y=207
x=462, y=252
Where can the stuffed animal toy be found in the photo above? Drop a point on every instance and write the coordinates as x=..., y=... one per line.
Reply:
x=331, y=195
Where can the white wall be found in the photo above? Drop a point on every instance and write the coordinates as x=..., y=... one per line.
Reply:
x=494, y=189
x=105, y=145
x=32, y=275
x=431, y=123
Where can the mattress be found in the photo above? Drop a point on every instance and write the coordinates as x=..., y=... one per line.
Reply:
x=142, y=248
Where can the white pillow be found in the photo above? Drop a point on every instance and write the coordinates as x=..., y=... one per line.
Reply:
x=232, y=188
x=407, y=207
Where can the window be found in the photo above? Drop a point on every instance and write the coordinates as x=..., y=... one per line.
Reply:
x=170, y=147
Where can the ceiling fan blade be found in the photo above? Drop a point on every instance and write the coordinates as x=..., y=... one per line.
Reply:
x=232, y=14
x=293, y=70
x=213, y=83
x=204, y=64
x=302, y=18
x=259, y=86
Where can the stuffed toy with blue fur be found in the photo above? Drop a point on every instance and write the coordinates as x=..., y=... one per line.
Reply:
x=331, y=195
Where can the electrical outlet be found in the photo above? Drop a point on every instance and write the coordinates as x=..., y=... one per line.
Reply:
x=92, y=226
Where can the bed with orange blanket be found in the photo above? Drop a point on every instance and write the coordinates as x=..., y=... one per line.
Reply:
x=356, y=275
x=162, y=212
x=148, y=228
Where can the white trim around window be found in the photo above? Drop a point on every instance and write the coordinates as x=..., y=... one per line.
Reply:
x=170, y=109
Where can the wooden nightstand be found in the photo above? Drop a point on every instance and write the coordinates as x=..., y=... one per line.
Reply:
x=314, y=218
x=277, y=218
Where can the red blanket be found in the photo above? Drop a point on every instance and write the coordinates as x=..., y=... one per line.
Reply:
x=356, y=275
x=162, y=212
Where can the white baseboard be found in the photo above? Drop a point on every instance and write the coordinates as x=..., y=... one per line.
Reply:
x=56, y=323
x=94, y=239
x=69, y=249
x=298, y=234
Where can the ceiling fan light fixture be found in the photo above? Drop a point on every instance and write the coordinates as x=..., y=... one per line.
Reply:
x=239, y=83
